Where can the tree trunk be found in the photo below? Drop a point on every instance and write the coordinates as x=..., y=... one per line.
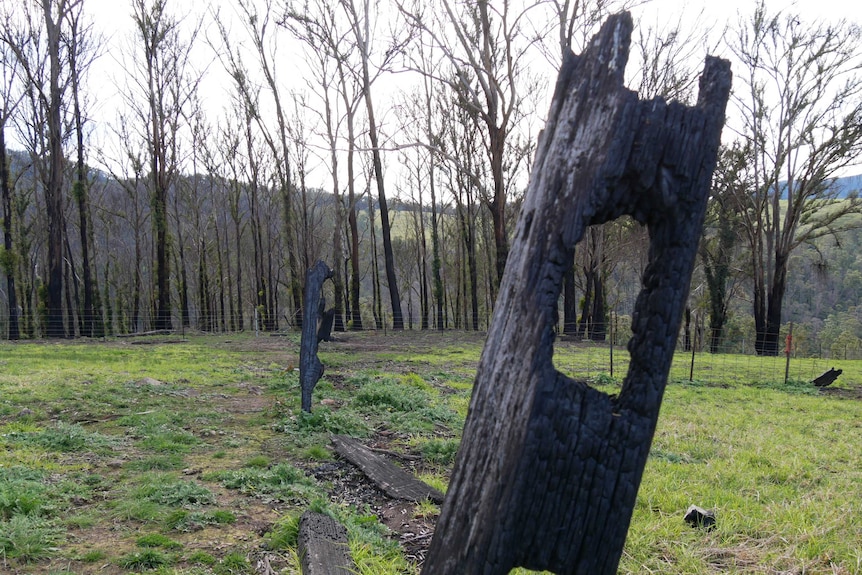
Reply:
x=8, y=262
x=337, y=268
x=435, y=257
x=587, y=305
x=549, y=468
x=388, y=256
x=376, y=304
x=185, y=310
x=570, y=304
x=240, y=324
x=54, y=185
x=771, y=344
x=599, y=323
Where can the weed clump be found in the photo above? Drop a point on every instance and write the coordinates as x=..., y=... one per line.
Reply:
x=158, y=540
x=23, y=493
x=284, y=534
x=440, y=451
x=185, y=521
x=282, y=482
x=65, y=438
x=145, y=559
x=166, y=490
x=27, y=538
x=327, y=421
x=387, y=394
x=233, y=564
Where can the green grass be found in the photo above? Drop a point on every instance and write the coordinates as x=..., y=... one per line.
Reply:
x=185, y=459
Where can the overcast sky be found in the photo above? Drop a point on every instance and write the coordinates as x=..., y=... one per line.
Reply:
x=113, y=19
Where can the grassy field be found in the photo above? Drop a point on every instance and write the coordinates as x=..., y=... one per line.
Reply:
x=191, y=457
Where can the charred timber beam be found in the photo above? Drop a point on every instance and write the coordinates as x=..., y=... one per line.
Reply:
x=549, y=467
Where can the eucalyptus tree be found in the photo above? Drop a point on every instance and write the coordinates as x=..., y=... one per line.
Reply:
x=229, y=149
x=39, y=51
x=11, y=94
x=127, y=164
x=415, y=162
x=461, y=138
x=321, y=27
x=486, y=48
x=83, y=48
x=428, y=88
x=261, y=30
x=162, y=86
x=719, y=246
x=801, y=116
x=316, y=27
x=426, y=106
x=363, y=19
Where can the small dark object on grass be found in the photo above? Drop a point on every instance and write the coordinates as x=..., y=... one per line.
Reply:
x=827, y=377
x=699, y=517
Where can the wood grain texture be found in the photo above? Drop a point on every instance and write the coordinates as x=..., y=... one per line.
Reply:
x=323, y=546
x=549, y=467
x=310, y=367
x=393, y=480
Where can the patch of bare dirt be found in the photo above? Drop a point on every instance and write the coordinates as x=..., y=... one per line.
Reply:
x=845, y=392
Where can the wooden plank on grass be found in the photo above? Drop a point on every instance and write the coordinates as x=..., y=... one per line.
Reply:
x=393, y=480
x=323, y=547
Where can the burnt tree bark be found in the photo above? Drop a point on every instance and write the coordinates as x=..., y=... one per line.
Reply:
x=310, y=368
x=548, y=472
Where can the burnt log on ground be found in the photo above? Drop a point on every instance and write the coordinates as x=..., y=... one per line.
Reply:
x=827, y=377
x=310, y=367
x=393, y=480
x=549, y=467
x=323, y=547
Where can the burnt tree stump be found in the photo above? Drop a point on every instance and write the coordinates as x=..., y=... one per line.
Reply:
x=310, y=368
x=323, y=546
x=549, y=467
x=827, y=377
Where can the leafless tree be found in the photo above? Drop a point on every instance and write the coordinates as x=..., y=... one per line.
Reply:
x=41, y=54
x=11, y=95
x=801, y=109
x=490, y=77
x=260, y=29
x=160, y=93
x=83, y=48
x=362, y=17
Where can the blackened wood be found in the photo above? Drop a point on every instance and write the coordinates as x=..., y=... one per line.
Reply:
x=324, y=332
x=393, y=480
x=323, y=546
x=700, y=517
x=549, y=467
x=310, y=368
x=827, y=377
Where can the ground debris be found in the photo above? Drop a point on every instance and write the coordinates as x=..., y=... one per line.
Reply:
x=700, y=517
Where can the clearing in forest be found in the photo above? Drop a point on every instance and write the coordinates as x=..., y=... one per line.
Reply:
x=192, y=457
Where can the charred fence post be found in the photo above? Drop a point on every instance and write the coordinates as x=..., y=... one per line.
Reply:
x=549, y=467
x=310, y=368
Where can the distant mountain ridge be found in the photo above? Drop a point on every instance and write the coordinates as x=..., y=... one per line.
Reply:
x=848, y=185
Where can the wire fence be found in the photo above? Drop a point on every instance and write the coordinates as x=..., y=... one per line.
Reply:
x=801, y=357
x=736, y=361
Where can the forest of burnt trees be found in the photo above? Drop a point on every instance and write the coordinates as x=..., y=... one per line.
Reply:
x=392, y=140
